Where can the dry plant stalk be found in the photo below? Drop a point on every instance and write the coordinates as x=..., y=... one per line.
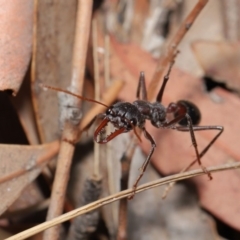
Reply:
x=172, y=47
x=115, y=197
x=125, y=164
x=70, y=131
x=169, y=55
x=96, y=168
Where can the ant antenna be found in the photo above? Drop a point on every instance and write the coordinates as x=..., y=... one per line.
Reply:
x=86, y=99
x=70, y=93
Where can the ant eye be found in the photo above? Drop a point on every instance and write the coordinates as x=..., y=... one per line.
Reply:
x=109, y=111
x=133, y=121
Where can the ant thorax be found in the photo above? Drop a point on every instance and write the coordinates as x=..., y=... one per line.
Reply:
x=155, y=112
x=125, y=114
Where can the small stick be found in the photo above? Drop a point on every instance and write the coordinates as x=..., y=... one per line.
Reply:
x=70, y=130
x=125, y=163
x=113, y=209
x=171, y=49
x=96, y=164
x=115, y=197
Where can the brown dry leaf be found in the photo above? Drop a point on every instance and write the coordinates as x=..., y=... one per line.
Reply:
x=19, y=166
x=16, y=37
x=130, y=60
x=53, y=41
x=24, y=107
x=220, y=61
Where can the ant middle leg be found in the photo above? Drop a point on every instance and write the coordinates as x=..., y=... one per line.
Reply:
x=141, y=89
x=166, y=78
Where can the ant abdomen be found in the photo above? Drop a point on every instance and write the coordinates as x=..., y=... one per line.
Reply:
x=192, y=110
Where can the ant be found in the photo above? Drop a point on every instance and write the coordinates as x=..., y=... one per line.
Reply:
x=126, y=116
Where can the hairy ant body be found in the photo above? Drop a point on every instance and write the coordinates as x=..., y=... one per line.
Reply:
x=127, y=116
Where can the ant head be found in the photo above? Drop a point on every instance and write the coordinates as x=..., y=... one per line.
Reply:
x=123, y=115
x=192, y=110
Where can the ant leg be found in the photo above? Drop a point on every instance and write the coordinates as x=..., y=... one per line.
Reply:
x=165, y=79
x=194, y=142
x=181, y=109
x=142, y=87
x=196, y=128
x=203, y=128
x=146, y=162
x=190, y=129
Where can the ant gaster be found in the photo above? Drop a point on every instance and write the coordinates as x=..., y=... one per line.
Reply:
x=127, y=116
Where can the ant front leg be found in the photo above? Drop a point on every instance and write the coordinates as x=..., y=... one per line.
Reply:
x=146, y=162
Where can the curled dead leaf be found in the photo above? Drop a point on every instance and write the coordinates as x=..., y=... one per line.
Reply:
x=19, y=166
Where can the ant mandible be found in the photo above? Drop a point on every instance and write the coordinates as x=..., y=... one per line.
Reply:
x=127, y=116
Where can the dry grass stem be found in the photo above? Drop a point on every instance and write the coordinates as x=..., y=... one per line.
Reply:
x=125, y=164
x=70, y=132
x=96, y=168
x=115, y=197
x=171, y=49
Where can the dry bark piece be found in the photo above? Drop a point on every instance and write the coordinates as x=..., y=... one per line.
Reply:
x=220, y=61
x=16, y=42
x=19, y=166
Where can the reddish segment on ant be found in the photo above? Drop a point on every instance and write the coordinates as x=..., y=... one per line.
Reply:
x=127, y=116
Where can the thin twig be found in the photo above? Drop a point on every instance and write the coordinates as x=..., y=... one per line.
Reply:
x=107, y=60
x=111, y=179
x=70, y=132
x=125, y=163
x=96, y=171
x=123, y=194
x=170, y=51
x=170, y=185
x=231, y=19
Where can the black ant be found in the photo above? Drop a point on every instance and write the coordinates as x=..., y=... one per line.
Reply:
x=127, y=116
